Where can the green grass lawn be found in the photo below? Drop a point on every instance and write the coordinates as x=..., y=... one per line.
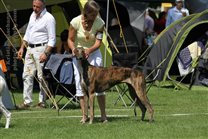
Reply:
x=178, y=115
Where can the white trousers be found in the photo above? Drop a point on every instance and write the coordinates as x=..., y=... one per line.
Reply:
x=94, y=59
x=32, y=66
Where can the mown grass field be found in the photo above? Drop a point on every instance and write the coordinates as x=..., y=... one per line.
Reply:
x=181, y=114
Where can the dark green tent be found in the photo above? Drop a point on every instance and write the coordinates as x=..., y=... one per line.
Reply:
x=161, y=62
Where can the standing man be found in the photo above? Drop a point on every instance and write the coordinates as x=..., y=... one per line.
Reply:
x=176, y=13
x=39, y=40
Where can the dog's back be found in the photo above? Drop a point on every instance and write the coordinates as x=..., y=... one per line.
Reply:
x=104, y=78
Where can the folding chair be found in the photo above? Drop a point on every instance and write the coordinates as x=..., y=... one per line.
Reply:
x=130, y=60
x=122, y=89
x=59, y=71
x=124, y=60
x=127, y=56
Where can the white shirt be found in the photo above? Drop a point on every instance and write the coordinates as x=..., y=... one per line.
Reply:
x=41, y=29
x=81, y=35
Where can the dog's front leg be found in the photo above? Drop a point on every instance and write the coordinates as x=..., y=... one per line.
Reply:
x=85, y=112
x=92, y=97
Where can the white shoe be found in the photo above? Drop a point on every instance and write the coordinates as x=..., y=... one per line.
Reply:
x=8, y=118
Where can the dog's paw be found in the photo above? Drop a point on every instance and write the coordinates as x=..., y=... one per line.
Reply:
x=105, y=121
x=151, y=121
x=91, y=121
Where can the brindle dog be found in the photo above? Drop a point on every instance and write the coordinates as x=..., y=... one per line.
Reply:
x=99, y=79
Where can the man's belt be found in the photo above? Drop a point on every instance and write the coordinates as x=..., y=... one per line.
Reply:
x=37, y=45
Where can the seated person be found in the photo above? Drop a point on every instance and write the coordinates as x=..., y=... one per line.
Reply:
x=63, y=48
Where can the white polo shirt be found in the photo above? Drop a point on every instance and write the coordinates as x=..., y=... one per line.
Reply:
x=41, y=29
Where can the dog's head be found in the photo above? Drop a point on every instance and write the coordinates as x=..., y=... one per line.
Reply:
x=80, y=53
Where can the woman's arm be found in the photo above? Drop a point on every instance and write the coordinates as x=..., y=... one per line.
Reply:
x=71, y=39
x=97, y=44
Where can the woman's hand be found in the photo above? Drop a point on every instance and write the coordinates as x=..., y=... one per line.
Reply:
x=74, y=52
x=87, y=53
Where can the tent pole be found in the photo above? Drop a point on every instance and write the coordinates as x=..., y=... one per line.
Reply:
x=107, y=16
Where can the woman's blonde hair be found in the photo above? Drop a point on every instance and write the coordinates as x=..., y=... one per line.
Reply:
x=91, y=7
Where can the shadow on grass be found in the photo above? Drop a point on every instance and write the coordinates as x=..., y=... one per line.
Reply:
x=70, y=106
x=122, y=119
x=111, y=119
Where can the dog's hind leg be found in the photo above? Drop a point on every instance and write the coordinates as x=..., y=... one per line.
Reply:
x=142, y=107
x=6, y=113
x=144, y=101
x=145, y=105
x=137, y=101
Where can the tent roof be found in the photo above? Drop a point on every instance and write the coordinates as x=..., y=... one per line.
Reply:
x=196, y=6
x=23, y=4
x=177, y=36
